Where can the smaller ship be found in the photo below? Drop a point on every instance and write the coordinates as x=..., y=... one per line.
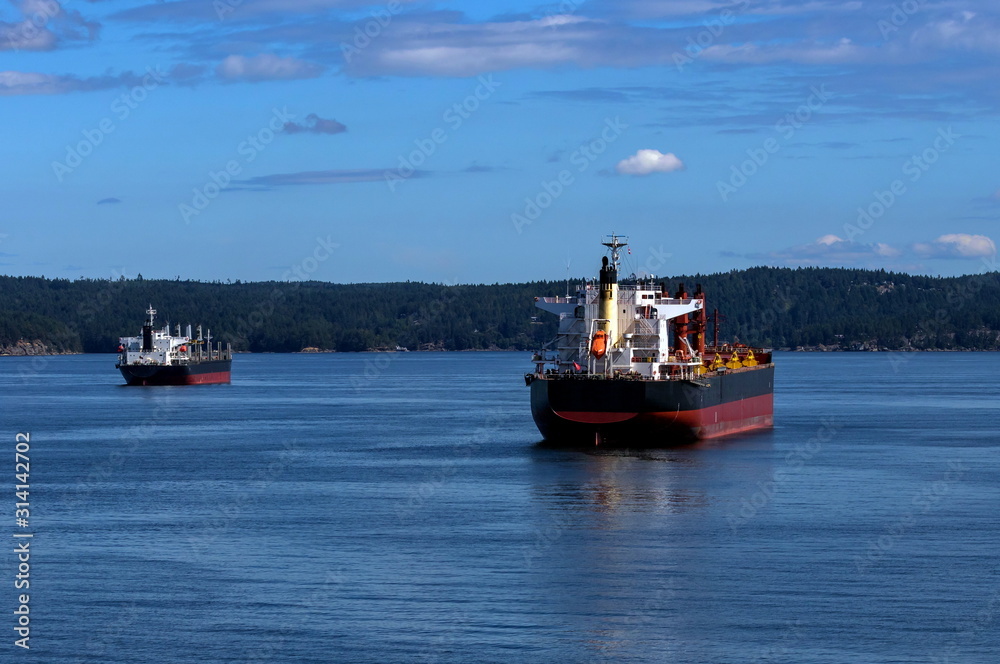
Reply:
x=158, y=358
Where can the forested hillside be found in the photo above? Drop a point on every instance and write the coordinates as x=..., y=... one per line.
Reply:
x=779, y=307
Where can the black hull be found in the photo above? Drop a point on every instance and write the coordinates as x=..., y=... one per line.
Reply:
x=203, y=373
x=583, y=410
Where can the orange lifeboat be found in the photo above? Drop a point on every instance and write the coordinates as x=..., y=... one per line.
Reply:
x=599, y=346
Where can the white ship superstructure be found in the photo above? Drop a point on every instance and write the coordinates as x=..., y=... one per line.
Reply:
x=159, y=347
x=633, y=327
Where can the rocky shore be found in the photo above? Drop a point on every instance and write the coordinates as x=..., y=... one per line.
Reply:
x=24, y=347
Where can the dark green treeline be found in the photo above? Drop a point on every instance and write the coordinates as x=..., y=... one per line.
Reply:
x=778, y=307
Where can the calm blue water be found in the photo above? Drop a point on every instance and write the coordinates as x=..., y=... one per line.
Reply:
x=398, y=508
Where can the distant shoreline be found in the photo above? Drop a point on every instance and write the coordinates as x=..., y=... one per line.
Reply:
x=3, y=353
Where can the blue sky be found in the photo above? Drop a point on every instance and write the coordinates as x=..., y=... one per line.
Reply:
x=495, y=141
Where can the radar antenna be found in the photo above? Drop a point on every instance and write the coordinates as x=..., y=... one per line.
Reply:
x=615, y=243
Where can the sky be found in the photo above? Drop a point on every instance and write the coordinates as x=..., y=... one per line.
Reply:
x=482, y=142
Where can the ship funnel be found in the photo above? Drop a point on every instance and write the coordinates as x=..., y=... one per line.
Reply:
x=189, y=331
x=609, y=273
x=608, y=303
x=147, y=330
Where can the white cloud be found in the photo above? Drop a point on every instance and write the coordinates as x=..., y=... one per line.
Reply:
x=46, y=23
x=470, y=60
x=963, y=31
x=26, y=83
x=447, y=49
x=320, y=177
x=13, y=83
x=649, y=161
x=266, y=67
x=674, y=8
x=25, y=36
x=886, y=250
x=840, y=51
x=831, y=250
x=196, y=11
x=957, y=245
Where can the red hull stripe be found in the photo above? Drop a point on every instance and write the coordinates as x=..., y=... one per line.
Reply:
x=725, y=419
x=590, y=417
x=206, y=378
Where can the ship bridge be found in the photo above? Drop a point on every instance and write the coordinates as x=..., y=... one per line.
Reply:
x=635, y=328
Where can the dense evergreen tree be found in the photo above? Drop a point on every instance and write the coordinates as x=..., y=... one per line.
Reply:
x=779, y=307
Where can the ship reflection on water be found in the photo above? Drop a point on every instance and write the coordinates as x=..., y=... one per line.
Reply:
x=625, y=537
x=650, y=478
x=610, y=484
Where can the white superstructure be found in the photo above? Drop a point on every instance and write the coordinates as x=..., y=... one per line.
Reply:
x=159, y=347
x=630, y=328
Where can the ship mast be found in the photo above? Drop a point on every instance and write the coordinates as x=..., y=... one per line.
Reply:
x=615, y=244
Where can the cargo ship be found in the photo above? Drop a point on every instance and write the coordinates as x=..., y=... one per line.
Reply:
x=631, y=366
x=157, y=357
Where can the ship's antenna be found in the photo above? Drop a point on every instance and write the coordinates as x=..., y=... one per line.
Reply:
x=150, y=312
x=568, y=261
x=615, y=244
